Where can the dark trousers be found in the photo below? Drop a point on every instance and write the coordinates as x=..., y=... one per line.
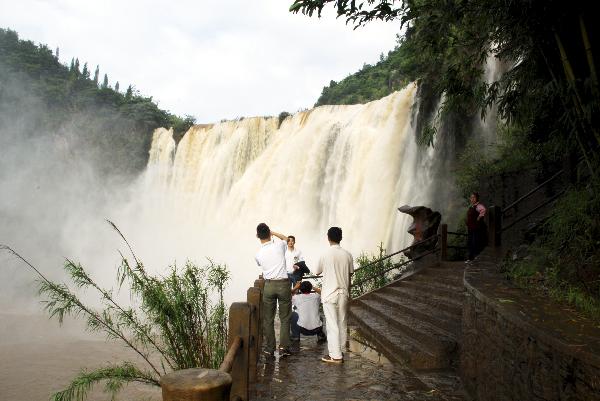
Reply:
x=277, y=293
x=472, y=244
x=476, y=241
x=297, y=330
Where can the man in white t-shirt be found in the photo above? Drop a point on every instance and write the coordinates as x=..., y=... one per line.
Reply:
x=271, y=260
x=305, y=315
x=337, y=265
x=293, y=255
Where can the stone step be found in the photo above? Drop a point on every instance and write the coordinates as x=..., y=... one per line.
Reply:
x=396, y=346
x=451, y=305
x=435, y=338
x=429, y=287
x=454, y=279
x=437, y=317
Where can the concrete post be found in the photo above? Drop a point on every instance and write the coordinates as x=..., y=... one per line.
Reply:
x=444, y=242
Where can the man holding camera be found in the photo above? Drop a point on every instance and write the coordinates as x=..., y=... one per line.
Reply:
x=271, y=260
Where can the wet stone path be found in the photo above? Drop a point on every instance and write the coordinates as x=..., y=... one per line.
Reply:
x=365, y=375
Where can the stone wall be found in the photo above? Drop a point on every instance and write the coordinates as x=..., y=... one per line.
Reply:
x=517, y=347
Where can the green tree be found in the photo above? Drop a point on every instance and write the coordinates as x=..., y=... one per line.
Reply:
x=96, y=75
x=85, y=73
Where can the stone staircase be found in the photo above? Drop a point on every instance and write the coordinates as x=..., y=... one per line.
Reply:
x=415, y=320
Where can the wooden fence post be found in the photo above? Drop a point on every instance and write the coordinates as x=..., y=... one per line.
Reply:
x=260, y=283
x=196, y=385
x=239, y=325
x=444, y=243
x=495, y=226
x=254, y=301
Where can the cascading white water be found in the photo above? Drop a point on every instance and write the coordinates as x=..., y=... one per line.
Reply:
x=349, y=166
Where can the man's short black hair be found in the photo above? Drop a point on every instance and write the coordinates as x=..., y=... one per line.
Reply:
x=292, y=237
x=263, y=231
x=305, y=287
x=334, y=234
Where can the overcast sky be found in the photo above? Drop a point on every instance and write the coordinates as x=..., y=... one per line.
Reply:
x=213, y=59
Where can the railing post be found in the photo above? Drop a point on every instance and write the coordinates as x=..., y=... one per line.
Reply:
x=444, y=242
x=239, y=325
x=495, y=226
x=260, y=283
x=254, y=301
x=196, y=385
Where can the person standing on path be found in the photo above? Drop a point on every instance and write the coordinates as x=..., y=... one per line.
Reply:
x=336, y=265
x=476, y=229
x=293, y=255
x=271, y=260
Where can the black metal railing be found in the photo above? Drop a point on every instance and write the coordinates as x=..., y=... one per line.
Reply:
x=497, y=214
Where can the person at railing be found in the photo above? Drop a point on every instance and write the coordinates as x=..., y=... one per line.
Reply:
x=337, y=265
x=305, y=315
x=476, y=228
x=293, y=255
x=271, y=260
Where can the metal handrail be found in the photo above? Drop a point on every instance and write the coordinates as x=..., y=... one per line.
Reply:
x=528, y=194
x=396, y=266
x=385, y=257
x=397, y=252
x=227, y=363
x=550, y=200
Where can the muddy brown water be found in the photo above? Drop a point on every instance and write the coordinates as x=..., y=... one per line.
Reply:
x=38, y=358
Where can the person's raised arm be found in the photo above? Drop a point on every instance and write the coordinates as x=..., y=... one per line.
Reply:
x=279, y=235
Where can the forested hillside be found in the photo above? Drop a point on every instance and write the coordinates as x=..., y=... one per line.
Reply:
x=39, y=96
x=372, y=82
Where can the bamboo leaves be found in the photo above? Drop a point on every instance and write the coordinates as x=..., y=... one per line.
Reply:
x=175, y=321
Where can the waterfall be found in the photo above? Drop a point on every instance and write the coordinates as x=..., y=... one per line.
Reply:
x=349, y=166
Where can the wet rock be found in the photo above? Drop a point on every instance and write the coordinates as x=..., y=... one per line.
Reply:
x=425, y=225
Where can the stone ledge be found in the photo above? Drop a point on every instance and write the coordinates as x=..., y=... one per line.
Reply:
x=519, y=346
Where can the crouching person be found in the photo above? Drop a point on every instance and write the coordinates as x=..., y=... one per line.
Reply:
x=305, y=317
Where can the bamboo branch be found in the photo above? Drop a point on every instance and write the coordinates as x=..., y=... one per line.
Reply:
x=588, y=53
x=72, y=300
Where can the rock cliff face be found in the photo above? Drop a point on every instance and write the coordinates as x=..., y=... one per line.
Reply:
x=425, y=225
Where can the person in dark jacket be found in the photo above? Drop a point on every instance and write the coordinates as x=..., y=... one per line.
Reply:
x=476, y=228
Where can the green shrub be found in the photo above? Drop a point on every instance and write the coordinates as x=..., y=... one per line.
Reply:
x=180, y=323
x=372, y=272
x=564, y=259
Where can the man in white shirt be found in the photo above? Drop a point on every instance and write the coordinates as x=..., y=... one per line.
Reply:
x=271, y=261
x=293, y=255
x=337, y=265
x=305, y=317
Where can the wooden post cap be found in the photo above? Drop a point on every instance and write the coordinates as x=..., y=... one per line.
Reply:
x=196, y=385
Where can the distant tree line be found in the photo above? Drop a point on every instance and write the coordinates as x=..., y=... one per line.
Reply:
x=40, y=95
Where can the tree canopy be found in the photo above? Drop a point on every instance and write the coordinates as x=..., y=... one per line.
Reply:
x=550, y=86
